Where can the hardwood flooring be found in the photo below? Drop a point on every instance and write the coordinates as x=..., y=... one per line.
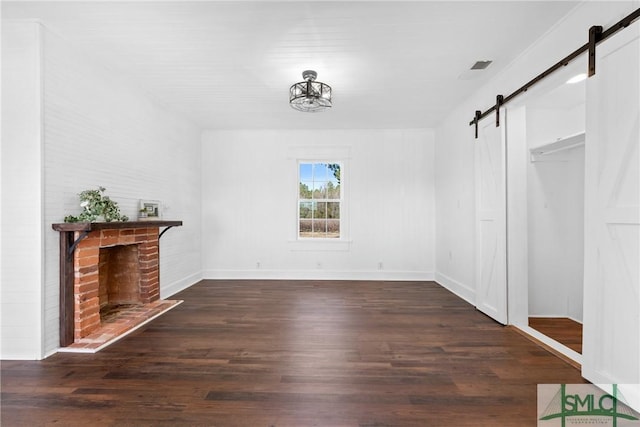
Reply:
x=295, y=353
x=564, y=330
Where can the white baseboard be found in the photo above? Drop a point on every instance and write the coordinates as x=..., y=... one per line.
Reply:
x=463, y=291
x=21, y=356
x=179, y=285
x=318, y=275
x=50, y=353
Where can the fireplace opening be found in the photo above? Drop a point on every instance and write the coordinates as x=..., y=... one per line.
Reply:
x=118, y=279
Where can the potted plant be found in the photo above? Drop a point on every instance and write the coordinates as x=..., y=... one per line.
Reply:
x=96, y=207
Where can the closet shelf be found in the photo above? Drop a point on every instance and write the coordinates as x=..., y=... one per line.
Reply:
x=561, y=144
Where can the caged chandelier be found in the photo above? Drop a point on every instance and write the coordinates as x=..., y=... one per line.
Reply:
x=310, y=96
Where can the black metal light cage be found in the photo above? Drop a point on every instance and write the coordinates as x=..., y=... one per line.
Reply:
x=310, y=96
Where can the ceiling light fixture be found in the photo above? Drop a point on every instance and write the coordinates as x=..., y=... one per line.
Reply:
x=576, y=79
x=310, y=96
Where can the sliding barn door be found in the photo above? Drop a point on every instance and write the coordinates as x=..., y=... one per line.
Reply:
x=491, y=276
x=611, y=351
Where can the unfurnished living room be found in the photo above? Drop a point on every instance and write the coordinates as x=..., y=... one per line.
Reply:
x=323, y=213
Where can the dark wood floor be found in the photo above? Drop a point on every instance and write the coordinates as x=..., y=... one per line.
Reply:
x=276, y=353
x=564, y=330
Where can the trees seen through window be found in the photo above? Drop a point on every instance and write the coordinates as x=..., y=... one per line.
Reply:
x=319, y=200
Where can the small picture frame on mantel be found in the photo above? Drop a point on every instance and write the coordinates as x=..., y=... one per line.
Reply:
x=149, y=210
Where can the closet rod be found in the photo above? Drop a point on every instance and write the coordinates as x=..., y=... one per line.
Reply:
x=597, y=38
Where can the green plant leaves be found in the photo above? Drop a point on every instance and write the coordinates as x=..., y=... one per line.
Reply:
x=95, y=204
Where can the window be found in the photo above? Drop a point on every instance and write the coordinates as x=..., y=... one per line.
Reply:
x=319, y=200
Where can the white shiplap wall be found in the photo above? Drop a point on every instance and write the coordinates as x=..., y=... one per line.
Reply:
x=102, y=131
x=22, y=230
x=249, y=204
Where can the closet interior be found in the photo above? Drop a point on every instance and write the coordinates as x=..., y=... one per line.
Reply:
x=555, y=124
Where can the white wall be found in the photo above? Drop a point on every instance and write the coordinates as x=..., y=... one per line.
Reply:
x=249, y=205
x=22, y=273
x=455, y=206
x=100, y=130
x=545, y=125
x=455, y=199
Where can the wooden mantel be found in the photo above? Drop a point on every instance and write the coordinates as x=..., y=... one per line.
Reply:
x=113, y=225
x=78, y=235
x=67, y=229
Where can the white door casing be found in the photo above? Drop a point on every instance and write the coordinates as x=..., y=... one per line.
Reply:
x=491, y=276
x=611, y=338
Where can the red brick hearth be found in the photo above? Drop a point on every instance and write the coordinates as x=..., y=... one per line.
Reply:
x=109, y=277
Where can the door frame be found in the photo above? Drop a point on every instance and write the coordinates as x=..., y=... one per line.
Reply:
x=517, y=163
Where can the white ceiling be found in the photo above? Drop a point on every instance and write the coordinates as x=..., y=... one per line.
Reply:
x=230, y=64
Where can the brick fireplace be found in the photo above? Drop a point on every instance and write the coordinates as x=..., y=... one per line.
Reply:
x=107, y=270
x=113, y=267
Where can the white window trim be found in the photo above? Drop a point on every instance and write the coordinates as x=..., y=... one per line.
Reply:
x=316, y=154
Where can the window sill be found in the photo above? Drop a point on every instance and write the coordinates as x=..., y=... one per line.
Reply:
x=320, y=245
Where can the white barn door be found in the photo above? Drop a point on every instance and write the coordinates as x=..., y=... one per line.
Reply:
x=491, y=274
x=611, y=352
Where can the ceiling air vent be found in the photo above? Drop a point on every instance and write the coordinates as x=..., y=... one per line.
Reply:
x=481, y=65
x=473, y=72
